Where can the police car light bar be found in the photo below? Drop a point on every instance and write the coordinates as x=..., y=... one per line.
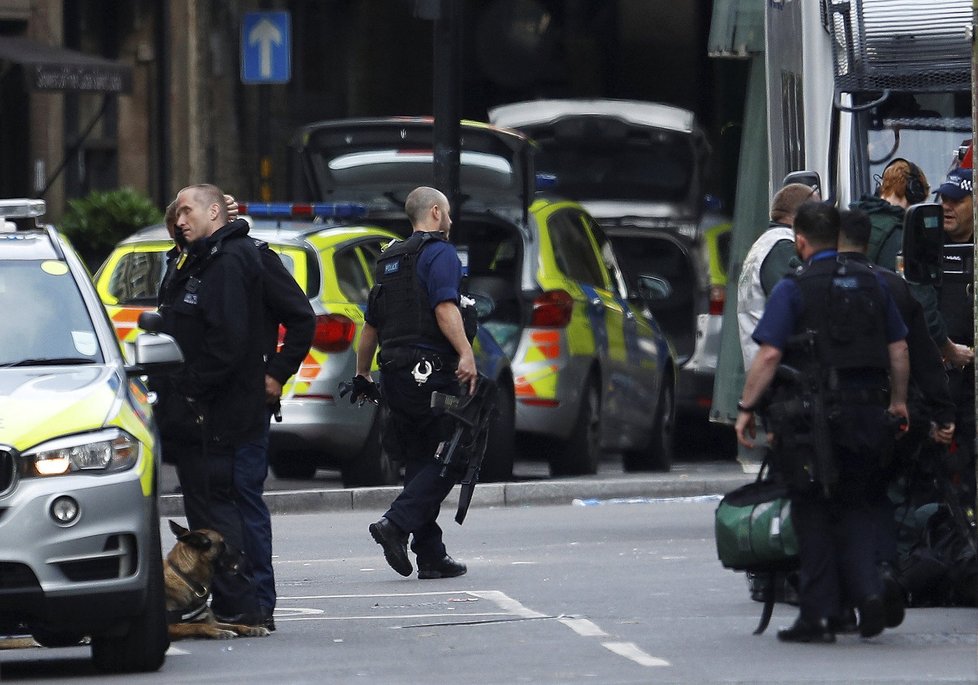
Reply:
x=22, y=208
x=302, y=210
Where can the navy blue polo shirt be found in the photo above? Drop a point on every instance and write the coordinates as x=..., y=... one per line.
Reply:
x=783, y=308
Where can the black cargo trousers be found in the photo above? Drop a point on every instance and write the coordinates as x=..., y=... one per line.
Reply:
x=412, y=434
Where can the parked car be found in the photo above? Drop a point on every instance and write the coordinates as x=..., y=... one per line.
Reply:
x=638, y=168
x=592, y=370
x=332, y=260
x=80, y=551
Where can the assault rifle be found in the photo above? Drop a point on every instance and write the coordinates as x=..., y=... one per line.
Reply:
x=463, y=452
x=812, y=397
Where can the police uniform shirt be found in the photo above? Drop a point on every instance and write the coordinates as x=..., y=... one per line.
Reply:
x=783, y=308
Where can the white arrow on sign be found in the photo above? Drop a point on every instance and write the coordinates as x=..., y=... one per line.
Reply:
x=265, y=34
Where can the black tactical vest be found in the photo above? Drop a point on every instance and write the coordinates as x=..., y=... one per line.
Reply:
x=398, y=302
x=844, y=303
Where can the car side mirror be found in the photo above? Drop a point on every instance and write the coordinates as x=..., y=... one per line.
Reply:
x=153, y=352
x=151, y=321
x=484, y=305
x=654, y=288
x=923, y=244
x=808, y=178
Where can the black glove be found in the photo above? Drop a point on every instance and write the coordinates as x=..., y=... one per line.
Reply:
x=361, y=390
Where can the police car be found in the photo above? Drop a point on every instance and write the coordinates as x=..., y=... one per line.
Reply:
x=80, y=551
x=592, y=371
x=638, y=168
x=331, y=254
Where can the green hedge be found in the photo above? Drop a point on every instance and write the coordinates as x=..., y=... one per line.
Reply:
x=96, y=222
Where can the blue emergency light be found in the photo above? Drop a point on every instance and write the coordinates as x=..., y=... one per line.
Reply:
x=545, y=181
x=299, y=210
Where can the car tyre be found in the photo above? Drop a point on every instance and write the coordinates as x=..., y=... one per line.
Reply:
x=497, y=465
x=143, y=647
x=373, y=465
x=293, y=465
x=659, y=452
x=581, y=453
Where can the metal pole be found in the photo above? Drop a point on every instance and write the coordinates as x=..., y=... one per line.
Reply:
x=446, y=36
x=974, y=204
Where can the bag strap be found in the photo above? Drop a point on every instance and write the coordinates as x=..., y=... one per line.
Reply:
x=768, y=610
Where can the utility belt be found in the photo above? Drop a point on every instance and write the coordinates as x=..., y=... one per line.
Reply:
x=800, y=406
x=405, y=357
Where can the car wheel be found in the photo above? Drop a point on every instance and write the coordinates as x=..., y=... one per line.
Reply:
x=373, y=465
x=581, y=453
x=658, y=455
x=497, y=465
x=143, y=647
x=293, y=465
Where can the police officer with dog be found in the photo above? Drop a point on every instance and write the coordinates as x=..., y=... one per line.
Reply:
x=833, y=352
x=414, y=315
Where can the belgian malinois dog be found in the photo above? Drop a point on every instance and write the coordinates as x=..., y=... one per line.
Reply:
x=188, y=571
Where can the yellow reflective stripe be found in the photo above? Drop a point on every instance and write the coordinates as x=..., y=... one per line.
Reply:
x=540, y=383
x=718, y=273
x=130, y=421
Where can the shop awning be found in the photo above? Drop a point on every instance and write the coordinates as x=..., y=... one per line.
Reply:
x=54, y=68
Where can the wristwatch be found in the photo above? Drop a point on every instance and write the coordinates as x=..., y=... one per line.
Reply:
x=743, y=407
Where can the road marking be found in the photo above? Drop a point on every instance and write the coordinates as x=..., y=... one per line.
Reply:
x=630, y=650
x=176, y=651
x=582, y=626
x=507, y=603
x=509, y=609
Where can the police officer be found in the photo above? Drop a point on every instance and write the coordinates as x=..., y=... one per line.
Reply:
x=929, y=398
x=414, y=315
x=957, y=307
x=212, y=305
x=859, y=349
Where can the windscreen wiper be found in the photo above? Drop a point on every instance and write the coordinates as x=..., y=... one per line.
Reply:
x=49, y=361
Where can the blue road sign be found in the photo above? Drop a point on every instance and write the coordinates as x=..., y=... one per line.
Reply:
x=266, y=47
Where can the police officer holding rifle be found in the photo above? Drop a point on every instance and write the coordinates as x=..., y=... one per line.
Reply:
x=833, y=352
x=414, y=315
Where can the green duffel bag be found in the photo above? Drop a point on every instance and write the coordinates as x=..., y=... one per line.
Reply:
x=753, y=529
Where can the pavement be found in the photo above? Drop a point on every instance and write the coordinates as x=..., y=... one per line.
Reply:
x=690, y=479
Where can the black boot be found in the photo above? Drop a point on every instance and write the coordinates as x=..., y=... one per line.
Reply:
x=394, y=542
x=805, y=631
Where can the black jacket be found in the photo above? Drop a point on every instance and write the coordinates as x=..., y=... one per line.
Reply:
x=287, y=305
x=927, y=373
x=212, y=306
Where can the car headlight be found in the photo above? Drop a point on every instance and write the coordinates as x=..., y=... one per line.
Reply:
x=105, y=451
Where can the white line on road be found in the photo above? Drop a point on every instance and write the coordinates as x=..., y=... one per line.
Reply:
x=507, y=603
x=630, y=650
x=582, y=626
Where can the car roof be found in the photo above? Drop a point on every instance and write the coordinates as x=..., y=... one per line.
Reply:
x=536, y=112
x=284, y=232
x=30, y=244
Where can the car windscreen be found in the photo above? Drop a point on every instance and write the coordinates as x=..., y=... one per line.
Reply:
x=45, y=320
x=600, y=159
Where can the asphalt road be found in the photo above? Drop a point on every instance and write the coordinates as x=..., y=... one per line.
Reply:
x=562, y=594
